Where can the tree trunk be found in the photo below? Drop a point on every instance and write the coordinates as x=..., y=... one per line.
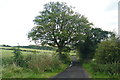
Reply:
x=60, y=52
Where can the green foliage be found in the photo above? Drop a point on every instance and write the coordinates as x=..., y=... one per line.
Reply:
x=6, y=61
x=14, y=68
x=6, y=57
x=41, y=62
x=107, y=58
x=108, y=52
x=14, y=72
x=7, y=71
x=65, y=58
x=86, y=48
x=103, y=71
x=112, y=70
x=17, y=58
x=97, y=35
x=59, y=26
x=5, y=45
x=49, y=65
x=94, y=72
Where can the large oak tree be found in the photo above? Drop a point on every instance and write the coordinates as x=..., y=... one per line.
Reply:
x=59, y=26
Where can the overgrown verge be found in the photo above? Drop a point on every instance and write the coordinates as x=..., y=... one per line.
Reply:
x=96, y=70
x=106, y=62
x=14, y=71
x=33, y=65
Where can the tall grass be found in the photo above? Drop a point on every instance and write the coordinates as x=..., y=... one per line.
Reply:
x=42, y=62
x=37, y=65
x=112, y=70
x=96, y=70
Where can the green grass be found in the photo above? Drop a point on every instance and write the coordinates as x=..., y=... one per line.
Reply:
x=93, y=74
x=6, y=53
x=9, y=53
x=28, y=49
x=29, y=75
x=5, y=47
x=18, y=72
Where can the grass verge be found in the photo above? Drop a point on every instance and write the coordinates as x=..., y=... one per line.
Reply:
x=19, y=72
x=92, y=74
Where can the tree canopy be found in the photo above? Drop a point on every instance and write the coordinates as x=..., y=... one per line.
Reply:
x=87, y=48
x=59, y=26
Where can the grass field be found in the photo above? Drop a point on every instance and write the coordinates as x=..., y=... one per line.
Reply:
x=9, y=53
x=28, y=49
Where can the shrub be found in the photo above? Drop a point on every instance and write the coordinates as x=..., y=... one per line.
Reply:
x=65, y=57
x=9, y=70
x=111, y=69
x=107, y=57
x=18, y=58
x=108, y=52
x=6, y=61
x=42, y=62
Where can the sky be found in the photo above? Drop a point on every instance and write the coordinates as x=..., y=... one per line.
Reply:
x=16, y=17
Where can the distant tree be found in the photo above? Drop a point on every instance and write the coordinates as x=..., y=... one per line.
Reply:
x=6, y=45
x=59, y=26
x=98, y=35
x=86, y=48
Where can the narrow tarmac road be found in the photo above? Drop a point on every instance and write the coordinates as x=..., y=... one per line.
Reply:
x=72, y=72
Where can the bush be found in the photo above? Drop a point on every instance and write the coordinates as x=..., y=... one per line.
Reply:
x=6, y=61
x=65, y=57
x=107, y=57
x=108, y=52
x=9, y=70
x=111, y=69
x=18, y=58
x=42, y=62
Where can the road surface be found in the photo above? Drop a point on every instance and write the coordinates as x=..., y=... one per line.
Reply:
x=73, y=71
